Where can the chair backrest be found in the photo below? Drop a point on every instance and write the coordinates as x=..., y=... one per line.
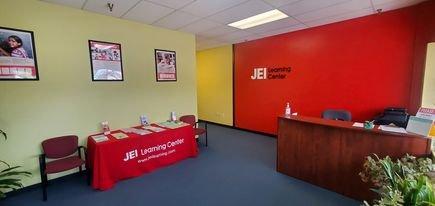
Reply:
x=343, y=115
x=189, y=119
x=59, y=147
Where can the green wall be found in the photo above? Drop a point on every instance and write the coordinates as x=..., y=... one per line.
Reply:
x=65, y=100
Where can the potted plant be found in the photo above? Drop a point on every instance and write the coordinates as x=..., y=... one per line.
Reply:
x=401, y=182
x=10, y=177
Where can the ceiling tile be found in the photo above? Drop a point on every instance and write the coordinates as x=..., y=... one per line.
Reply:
x=387, y=5
x=241, y=11
x=338, y=18
x=304, y=6
x=100, y=6
x=247, y=38
x=218, y=31
x=208, y=42
x=338, y=9
x=282, y=23
x=200, y=38
x=147, y=12
x=176, y=20
x=233, y=36
x=278, y=3
x=175, y=4
x=199, y=26
x=377, y=2
x=71, y=3
x=205, y=8
x=284, y=30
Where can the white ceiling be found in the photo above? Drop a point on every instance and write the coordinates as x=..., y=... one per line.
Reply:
x=208, y=19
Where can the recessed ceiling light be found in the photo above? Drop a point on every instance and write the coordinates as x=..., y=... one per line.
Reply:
x=259, y=19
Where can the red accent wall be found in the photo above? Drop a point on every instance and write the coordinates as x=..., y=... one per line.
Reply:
x=362, y=65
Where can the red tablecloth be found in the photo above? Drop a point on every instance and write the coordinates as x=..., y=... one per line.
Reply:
x=115, y=160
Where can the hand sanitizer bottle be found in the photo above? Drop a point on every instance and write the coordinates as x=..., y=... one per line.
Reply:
x=287, y=110
x=173, y=117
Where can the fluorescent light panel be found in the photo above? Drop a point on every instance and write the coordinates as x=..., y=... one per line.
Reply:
x=259, y=19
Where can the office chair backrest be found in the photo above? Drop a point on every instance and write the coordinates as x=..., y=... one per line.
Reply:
x=189, y=119
x=337, y=115
x=59, y=147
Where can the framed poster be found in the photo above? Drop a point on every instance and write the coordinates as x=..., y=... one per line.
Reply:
x=106, y=61
x=166, y=65
x=17, y=55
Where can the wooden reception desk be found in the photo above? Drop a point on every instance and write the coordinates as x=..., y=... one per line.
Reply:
x=331, y=153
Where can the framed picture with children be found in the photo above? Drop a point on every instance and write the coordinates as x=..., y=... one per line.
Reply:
x=106, y=61
x=166, y=66
x=17, y=55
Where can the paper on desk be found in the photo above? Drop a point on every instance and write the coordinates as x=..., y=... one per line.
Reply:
x=141, y=131
x=136, y=131
x=358, y=124
x=154, y=129
x=128, y=130
x=392, y=129
x=119, y=135
x=172, y=125
x=100, y=138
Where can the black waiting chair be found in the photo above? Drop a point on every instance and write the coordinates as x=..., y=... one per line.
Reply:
x=342, y=115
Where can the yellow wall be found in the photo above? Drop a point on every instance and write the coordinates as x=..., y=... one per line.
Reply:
x=65, y=100
x=429, y=78
x=215, y=85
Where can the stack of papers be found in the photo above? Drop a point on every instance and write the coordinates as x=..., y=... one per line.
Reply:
x=119, y=135
x=358, y=124
x=141, y=131
x=154, y=129
x=172, y=125
x=419, y=125
x=128, y=130
x=136, y=131
x=392, y=129
x=100, y=138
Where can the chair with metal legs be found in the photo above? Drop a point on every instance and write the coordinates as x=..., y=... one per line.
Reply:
x=66, y=155
x=191, y=119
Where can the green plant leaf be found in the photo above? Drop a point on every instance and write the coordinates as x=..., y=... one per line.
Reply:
x=11, y=182
x=400, y=182
x=14, y=173
x=5, y=163
x=9, y=169
x=4, y=134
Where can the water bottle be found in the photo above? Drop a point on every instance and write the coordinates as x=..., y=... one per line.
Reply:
x=288, y=110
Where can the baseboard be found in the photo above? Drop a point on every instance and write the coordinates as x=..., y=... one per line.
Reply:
x=241, y=129
x=38, y=185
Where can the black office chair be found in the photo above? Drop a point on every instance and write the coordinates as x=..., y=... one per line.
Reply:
x=342, y=115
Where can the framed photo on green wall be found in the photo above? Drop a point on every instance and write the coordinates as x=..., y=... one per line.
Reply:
x=166, y=65
x=17, y=55
x=106, y=61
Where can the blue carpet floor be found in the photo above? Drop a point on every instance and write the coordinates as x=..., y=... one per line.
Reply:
x=238, y=168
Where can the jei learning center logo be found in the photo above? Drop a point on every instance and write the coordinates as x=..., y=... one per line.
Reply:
x=270, y=73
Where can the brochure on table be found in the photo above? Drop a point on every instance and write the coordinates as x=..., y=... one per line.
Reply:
x=100, y=138
x=423, y=122
x=171, y=124
x=119, y=135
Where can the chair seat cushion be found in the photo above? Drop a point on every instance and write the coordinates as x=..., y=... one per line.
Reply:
x=64, y=164
x=199, y=131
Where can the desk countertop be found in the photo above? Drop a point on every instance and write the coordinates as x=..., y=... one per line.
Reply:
x=346, y=125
